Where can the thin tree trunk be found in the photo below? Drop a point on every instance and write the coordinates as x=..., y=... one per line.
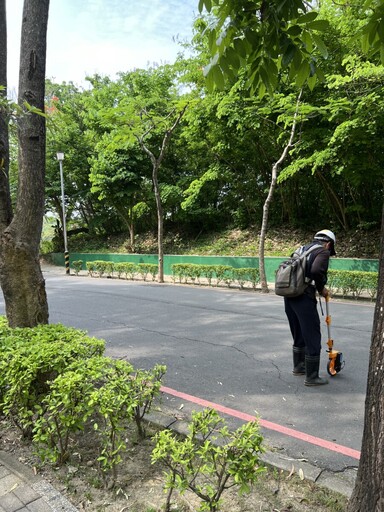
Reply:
x=333, y=200
x=275, y=169
x=160, y=222
x=21, y=278
x=368, y=493
x=156, y=162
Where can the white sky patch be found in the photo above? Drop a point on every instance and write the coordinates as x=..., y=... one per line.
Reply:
x=104, y=36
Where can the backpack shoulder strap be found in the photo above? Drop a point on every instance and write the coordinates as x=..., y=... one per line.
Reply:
x=312, y=248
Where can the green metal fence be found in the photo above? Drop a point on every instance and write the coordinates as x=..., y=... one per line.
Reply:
x=271, y=263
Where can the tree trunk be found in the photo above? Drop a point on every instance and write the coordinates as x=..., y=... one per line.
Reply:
x=156, y=163
x=5, y=196
x=368, y=493
x=160, y=223
x=275, y=169
x=20, y=273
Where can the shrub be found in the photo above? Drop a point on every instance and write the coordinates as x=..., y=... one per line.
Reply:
x=209, y=459
x=77, y=266
x=91, y=267
x=352, y=282
x=100, y=267
x=30, y=360
x=106, y=392
x=147, y=268
x=120, y=269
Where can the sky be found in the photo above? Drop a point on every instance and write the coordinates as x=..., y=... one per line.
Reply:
x=104, y=36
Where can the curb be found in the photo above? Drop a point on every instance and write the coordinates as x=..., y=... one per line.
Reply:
x=342, y=483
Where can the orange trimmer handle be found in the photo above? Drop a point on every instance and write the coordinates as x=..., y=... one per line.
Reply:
x=328, y=317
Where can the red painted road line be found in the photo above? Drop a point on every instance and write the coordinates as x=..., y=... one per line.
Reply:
x=343, y=450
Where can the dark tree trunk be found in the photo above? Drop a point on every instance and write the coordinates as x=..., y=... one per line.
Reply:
x=5, y=197
x=368, y=493
x=20, y=273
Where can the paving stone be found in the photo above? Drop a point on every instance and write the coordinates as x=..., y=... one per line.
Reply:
x=39, y=505
x=26, y=494
x=4, y=471
x=10, y=502
x=7, y=484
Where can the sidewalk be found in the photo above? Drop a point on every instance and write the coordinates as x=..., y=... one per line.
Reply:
x=22, y=491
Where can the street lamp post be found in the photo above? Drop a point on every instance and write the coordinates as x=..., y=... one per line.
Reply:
x=60, y=157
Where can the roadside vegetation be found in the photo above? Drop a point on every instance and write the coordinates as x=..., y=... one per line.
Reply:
x=356, y=243
x=82, y=421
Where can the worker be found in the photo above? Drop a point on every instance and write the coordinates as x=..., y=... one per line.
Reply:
x=302, y=314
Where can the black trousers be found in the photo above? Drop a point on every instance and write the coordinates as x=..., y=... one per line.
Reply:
x=304, y=322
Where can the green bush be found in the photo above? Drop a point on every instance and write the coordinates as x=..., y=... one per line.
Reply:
x=179, y=271
x=109, y=268
x=30, y=360
x=100, y=267
x=147, y=268
x=210, y=459
x=245, y=275
x=208, y=272
x=223, y=273
x=91, y=267
x=77, y=266
x=103, y=393
x=352, y=283
x=55, y=382
x=120, y=269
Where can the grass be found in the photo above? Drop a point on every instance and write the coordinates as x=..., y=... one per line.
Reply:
x=229, y=242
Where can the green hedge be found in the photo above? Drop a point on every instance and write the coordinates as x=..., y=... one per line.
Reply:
x=352, y=283
x=55, y=383
x=123, y=270
x=192, y=273
x=347, y=283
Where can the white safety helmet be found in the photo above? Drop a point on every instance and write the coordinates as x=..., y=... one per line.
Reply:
x=325, y=235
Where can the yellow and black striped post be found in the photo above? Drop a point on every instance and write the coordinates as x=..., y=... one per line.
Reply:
x=66, y=259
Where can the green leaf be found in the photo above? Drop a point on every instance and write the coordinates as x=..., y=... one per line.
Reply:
x=212, y=37
x=309, y=16
x=312, y=82
x=253, y=39
x=307, y=40
x=232, y=58
x=288, y=55
x=321, y=25
x=205, y=3
x=218, y=77
x=373, y=32
x=239, y=46
x=320, y=45
x=365, y=43
x=302, y=73
x=294, y=30
x=380, y=30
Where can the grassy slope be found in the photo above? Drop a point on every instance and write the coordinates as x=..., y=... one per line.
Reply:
x=232, y=242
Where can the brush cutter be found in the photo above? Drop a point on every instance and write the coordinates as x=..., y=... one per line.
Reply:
x=336, y=362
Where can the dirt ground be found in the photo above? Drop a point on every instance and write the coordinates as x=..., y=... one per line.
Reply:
x=139, y=485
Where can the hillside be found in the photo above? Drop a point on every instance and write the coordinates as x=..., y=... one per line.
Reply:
x=231, y=242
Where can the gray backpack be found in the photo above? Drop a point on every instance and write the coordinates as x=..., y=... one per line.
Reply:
x=290, y=279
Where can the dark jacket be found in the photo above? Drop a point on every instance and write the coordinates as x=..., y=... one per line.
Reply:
x=317, y=266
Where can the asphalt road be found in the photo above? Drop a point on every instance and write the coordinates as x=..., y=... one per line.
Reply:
x=232, y=348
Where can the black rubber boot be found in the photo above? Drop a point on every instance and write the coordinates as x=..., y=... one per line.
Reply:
x=312, y=378
x=298, y=360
